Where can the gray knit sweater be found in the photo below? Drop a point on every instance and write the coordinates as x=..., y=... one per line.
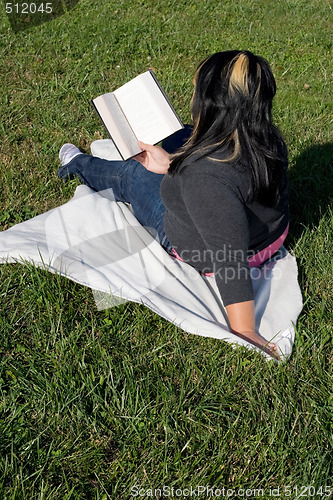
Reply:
x=214, y=226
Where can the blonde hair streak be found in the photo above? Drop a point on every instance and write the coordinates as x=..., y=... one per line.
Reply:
x=239, y=75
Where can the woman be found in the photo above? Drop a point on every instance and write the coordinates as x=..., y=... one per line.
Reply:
x=220, y=203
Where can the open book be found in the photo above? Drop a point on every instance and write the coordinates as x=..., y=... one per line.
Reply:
x=139, y=110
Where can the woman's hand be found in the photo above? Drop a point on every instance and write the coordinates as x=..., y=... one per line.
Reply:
x=242, y=322
x=255, y=339
x=153, y=158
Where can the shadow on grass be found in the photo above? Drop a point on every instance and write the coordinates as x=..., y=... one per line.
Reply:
x=311, y=188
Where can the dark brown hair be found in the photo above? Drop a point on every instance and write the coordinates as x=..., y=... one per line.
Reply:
x=231, y=108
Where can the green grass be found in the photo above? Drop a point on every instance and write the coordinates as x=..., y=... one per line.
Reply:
x=95, y=402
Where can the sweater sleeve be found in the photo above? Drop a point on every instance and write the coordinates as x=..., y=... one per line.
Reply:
x=217, y=211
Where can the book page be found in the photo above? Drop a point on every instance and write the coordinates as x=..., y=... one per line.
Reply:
x=117, y=125
x=147, y=110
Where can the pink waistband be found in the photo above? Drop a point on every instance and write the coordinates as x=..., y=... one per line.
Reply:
x=257, y=259
x=265, y=254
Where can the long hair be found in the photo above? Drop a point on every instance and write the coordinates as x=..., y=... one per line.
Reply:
x=231, y=109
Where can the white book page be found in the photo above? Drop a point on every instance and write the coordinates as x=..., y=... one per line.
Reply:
x=117, y=125
x=146, y=109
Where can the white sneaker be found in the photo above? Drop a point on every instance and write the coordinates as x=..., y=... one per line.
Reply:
x=67, y=153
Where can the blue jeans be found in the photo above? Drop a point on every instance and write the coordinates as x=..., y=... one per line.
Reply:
x=130, y=182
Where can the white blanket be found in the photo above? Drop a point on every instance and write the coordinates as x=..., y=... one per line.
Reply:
x=98, y=242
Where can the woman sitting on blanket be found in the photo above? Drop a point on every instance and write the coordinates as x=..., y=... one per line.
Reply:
x=220, y=202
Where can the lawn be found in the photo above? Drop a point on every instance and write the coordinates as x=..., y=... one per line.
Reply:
x=117, y=403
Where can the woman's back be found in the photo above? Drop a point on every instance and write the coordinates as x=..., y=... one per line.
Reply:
x=214, y=223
